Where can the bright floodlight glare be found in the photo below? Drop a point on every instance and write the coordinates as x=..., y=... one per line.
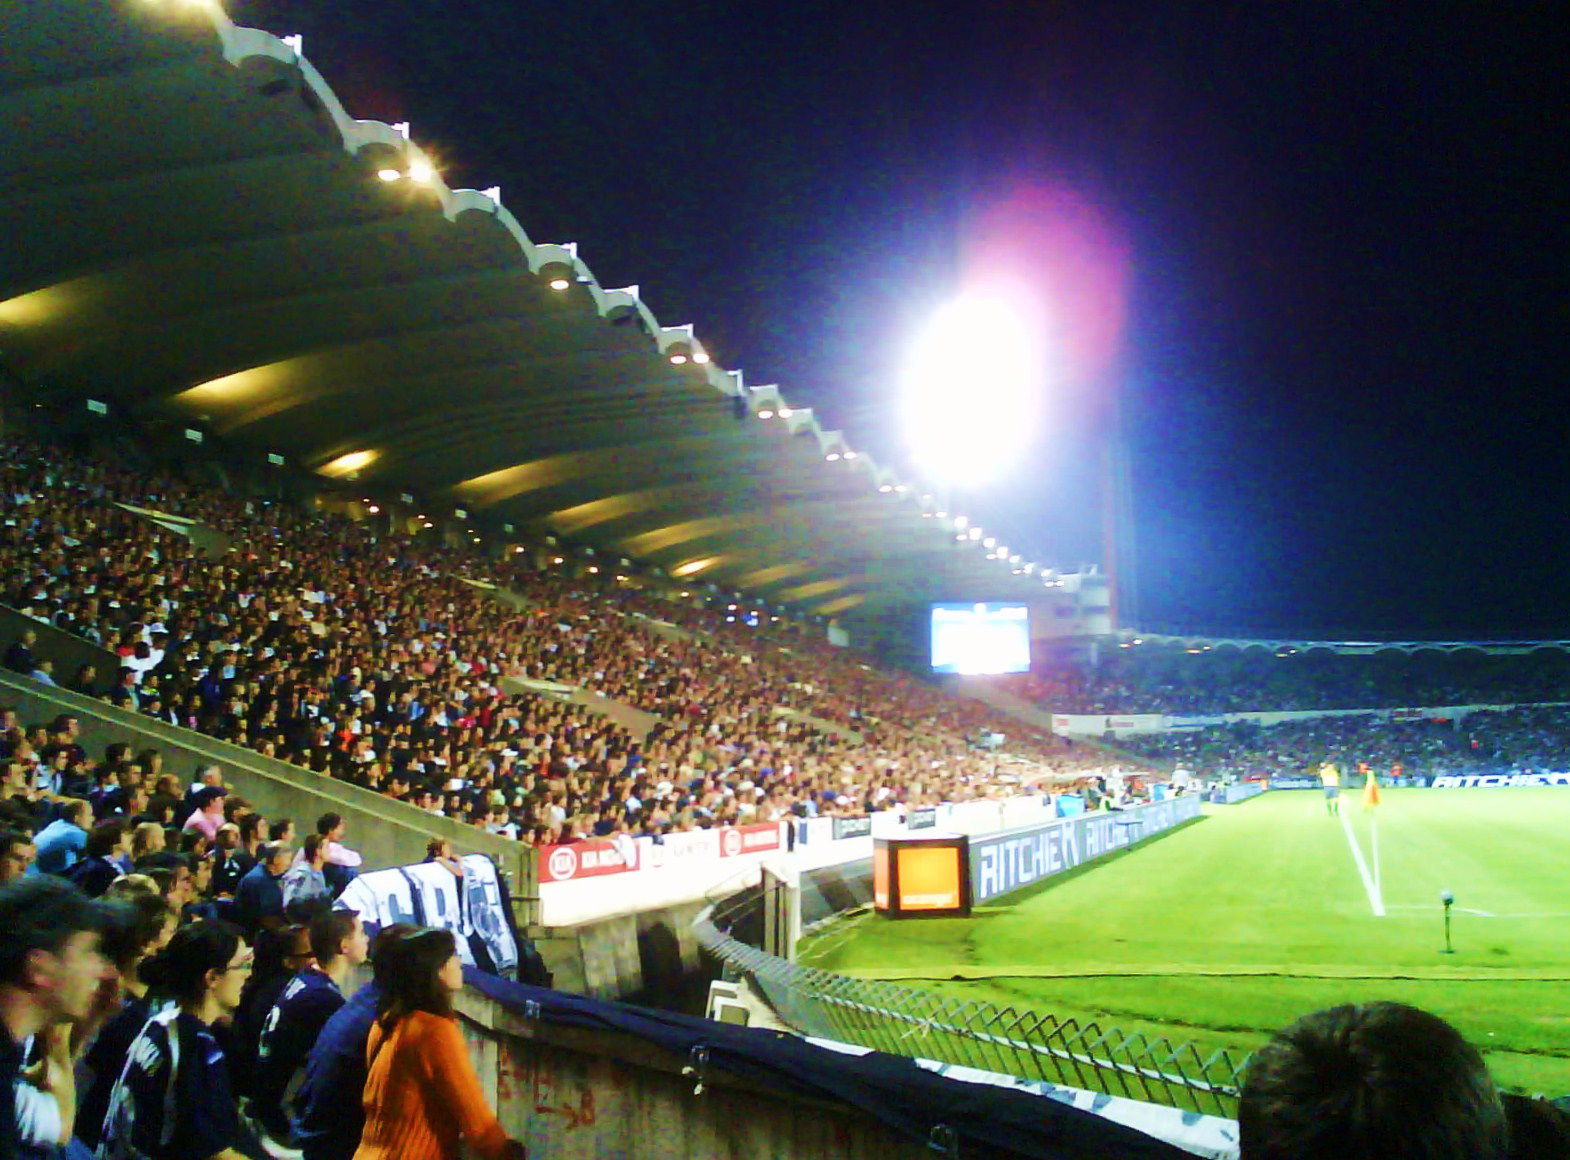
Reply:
x=972, y=386
x=421, y=171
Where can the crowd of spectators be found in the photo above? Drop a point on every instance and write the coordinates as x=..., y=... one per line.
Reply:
x=1532, y=740
x=172, y=972
x=379, y=660
x=1151, y=678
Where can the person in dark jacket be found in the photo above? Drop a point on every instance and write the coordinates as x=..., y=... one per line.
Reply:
x=328, y=1110
x=107, y=843
x=258, y=900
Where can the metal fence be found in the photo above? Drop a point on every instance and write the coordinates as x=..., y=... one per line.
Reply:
x=905, y=1021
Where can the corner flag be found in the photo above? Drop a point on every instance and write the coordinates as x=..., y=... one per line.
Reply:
x=1370, y=791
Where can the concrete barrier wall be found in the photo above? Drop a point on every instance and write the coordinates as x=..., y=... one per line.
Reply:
x=386, y=832
x=578, y=1094
x=68, y=652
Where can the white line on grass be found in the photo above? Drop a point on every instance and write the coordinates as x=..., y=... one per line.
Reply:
x=1375, y=899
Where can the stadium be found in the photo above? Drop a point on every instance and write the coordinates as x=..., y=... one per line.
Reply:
x=375, y=579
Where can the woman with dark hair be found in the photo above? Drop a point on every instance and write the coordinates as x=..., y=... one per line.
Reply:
x=421, y=1093
x=173, y=1100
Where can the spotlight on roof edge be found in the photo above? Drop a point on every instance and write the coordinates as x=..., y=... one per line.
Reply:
x=559, y=284
x=765, y=414
x=678, y=359
x=833, y=457
x=422, y=171
x=786, y=412
x=700, y=357
x=388, y=174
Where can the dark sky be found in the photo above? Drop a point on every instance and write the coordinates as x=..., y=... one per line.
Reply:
x=1335, y=233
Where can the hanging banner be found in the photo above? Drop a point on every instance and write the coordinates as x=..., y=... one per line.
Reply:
x=429, y=894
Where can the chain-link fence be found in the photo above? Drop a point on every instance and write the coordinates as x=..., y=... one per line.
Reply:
x=904, y=1021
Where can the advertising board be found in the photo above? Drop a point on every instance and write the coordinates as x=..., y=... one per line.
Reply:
x=1499, y=780
x=921, y=877
x=1006, y=862
x=852, y=827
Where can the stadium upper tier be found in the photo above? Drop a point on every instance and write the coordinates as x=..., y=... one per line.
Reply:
x=375, y=659
x=196, y=227
x=1202, y=681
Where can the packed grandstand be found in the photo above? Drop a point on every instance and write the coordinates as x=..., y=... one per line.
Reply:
x=531, y=691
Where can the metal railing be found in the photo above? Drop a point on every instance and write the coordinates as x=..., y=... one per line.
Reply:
x=1013, y=1041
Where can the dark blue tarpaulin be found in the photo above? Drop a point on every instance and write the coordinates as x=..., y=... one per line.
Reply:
x=981, y=1120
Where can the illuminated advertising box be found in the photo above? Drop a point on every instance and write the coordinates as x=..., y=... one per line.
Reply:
x=921, y=877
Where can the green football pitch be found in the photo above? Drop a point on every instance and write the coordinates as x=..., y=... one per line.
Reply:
x=1233, y=926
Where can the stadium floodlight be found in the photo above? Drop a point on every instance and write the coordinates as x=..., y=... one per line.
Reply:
x=972, y=386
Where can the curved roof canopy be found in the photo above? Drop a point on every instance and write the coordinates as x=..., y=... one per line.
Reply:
x=193, y=224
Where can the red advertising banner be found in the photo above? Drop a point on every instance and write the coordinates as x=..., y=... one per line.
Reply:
x=756, y=839
x=586, y=860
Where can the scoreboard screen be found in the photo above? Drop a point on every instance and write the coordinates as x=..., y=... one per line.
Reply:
x=980, y=638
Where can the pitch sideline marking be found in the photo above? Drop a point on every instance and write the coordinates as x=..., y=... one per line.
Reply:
x=1375, y=899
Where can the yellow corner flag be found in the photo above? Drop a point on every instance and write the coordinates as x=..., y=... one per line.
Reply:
x=1370, y=791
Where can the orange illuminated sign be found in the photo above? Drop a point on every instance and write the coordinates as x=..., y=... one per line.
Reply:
x=929, y=878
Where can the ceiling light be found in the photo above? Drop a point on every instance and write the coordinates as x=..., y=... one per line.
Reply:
x=348, y=463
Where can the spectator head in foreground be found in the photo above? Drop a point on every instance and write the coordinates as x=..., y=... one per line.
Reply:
x=202, y=968
x=50, y=962
x=420, y=972
x=1375, y=1081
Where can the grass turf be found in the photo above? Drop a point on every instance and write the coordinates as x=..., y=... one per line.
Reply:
x=1230, y=928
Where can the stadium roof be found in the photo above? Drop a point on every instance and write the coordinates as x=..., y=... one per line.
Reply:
x=195, y=225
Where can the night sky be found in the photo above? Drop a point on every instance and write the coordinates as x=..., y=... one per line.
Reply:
x=1315, y=255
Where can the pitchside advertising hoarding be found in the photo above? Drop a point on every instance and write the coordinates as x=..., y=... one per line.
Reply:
x=1500, y=780
x=921, y=877
x=1007, y=862
x=578, y=860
